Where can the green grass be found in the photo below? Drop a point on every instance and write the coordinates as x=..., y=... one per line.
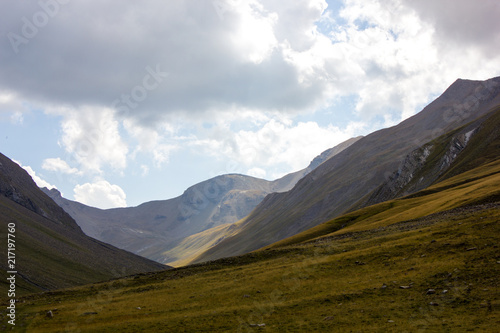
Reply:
x=329, y=279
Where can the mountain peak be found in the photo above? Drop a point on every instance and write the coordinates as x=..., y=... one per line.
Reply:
x=474, y=89
x=54, y=193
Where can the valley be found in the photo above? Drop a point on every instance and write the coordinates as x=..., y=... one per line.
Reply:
x=424, y=262
x=394, y=231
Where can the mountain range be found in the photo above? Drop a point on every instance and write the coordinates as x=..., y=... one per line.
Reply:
x=159, y=229
x=426, y=261
x=50, y=249
x=384, y=165
x=235, y=214
x=395, y=231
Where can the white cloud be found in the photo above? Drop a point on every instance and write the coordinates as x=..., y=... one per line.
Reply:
x=254, y=34
x=257, y=172
x=40, y=182
x=100, y=194
x=158, y=143
x=12, y=106
x=278, y=144
x=17, y=118
x=58, y=165
x=91, y=136
x=239, y=72
x=145, y=170
x=407, y=52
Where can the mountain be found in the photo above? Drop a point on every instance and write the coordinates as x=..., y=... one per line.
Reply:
x=50, y=249
x=159, y=230
x=377, y=167
x=424, y=262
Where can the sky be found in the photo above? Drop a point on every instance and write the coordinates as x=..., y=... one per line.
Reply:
x=116, y=103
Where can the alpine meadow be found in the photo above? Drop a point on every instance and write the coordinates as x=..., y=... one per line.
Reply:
x=250, y=166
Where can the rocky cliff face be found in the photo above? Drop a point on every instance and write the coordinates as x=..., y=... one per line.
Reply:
x=423, y=166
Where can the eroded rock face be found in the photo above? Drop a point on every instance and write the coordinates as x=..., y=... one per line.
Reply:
x=417, y=172
x=456, y=146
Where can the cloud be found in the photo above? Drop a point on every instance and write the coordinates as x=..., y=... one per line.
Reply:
x=17, y=118
x=145, y=170
x=91, y=137
x=58, y=165
x=233, y=60
x=266, y=55
x=279, y=144
x=11, y=104
x=462, y=22
x=146, y=77
x=40, y=182
x=257, y=172
x=156, y=142
x=100, y=194
x=401, y=53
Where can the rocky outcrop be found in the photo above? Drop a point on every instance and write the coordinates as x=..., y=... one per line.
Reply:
x=456, y=146
x=423, y=166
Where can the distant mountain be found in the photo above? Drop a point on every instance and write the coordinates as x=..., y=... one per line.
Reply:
x=383, y=165
x=156, y=229
x=51, y=251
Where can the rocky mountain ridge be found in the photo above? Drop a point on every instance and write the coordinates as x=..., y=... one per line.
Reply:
x=349, y=180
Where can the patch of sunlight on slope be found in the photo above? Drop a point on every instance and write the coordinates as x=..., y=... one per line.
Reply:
x=194, y=245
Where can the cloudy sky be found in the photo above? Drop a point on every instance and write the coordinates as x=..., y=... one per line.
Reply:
x=120, y=102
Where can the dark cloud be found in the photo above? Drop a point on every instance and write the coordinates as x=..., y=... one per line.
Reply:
x=153, y=58
x=466, y=22
x=95, y=53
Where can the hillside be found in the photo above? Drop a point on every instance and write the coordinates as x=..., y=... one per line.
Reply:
x=159, y=230
x=425, y=262
x=51, y=251
x=376, y=168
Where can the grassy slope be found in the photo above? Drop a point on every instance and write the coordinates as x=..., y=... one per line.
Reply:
x=480, y=185
x=192, y=246
x=51, y=250
x=51, y=256
x=321, y=280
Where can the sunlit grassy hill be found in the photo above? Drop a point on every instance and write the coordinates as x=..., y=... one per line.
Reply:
x=426, y=262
